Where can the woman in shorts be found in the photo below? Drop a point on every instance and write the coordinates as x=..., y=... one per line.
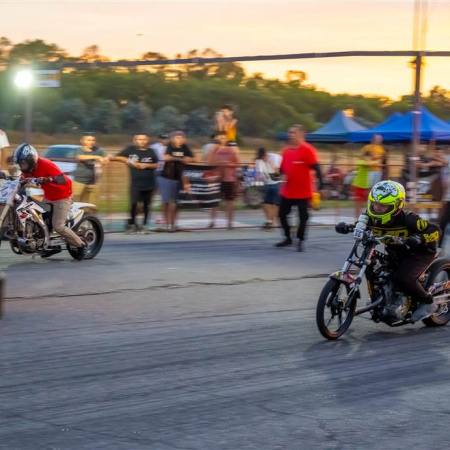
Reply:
x=267, y=167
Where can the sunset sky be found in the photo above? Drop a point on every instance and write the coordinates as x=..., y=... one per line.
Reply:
x=127, y=29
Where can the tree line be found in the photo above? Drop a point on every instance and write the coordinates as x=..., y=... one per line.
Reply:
x=165, y=98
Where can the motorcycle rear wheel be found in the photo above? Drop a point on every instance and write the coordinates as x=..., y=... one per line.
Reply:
x=331, y=302
x=90, y=228
x=438, y=273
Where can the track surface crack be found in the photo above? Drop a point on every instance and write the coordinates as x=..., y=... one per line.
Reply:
x=192, y=284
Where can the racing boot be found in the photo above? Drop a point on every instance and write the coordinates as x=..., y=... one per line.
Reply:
x=82, y=251
x=424, y=310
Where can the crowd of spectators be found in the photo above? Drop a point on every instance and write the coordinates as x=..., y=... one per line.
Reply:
x=286, y=177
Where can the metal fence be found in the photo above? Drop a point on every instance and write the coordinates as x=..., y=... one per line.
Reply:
x=339, y=197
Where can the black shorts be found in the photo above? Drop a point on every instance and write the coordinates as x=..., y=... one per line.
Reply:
x=228, y=190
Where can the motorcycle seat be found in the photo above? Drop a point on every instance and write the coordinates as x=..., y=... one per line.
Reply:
x=47, y=207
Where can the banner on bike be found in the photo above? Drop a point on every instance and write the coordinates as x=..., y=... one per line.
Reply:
x=201, y=187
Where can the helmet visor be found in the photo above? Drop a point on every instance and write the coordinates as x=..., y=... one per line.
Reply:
x=380, y=209
x=24, y=166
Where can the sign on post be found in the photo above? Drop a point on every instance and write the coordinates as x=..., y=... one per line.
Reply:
x=47, y=78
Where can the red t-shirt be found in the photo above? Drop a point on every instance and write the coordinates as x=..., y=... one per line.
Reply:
x=52, y=191
x=296, y=166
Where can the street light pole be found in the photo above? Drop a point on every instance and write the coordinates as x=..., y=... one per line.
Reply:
x=28, y=115
x=417, y=112
x=24, y=81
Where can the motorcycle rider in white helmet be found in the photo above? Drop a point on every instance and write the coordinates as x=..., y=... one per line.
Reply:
x=57, y=189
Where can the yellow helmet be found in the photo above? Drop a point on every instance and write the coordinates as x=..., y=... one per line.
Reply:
x=386, y=199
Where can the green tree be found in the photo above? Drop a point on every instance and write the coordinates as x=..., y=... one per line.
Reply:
x=92, y=54
x=5, y=47
x=135, y=117
x=167, y=119
x=71, y=110
x=199, y=122
x=42, y=123
x=105, y=117
x=35, y=52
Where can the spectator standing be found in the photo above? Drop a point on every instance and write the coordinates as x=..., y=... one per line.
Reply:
x=208, y=148
x=225, y=121
x=333, y=179
x=86, y=175
x=267, y=167
x=160, y=148
x=377, y=152
x=177, y=155
x=445, y=213
x=142, y=161
x=298, y=158
x=430, y=166
x=226, y=158
x=361, y=183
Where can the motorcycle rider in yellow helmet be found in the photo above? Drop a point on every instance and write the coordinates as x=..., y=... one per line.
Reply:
x=385, y=216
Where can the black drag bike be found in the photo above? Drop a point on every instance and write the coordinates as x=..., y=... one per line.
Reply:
x=336, y=306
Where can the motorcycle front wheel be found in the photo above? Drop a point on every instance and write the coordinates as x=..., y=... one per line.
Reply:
x=90, y=228
x=332, y=319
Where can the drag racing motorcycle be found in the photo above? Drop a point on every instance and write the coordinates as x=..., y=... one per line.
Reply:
x=336, y=306
x=26, y=222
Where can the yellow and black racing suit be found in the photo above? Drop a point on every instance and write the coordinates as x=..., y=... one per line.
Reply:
x=421, y=237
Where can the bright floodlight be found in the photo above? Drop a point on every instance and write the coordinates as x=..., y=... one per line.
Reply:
x=23, y=79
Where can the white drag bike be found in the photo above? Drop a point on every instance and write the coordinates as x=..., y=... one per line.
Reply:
x=27, y=223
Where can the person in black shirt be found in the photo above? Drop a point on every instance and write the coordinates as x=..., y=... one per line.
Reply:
x=177, y=155
x=142, y=162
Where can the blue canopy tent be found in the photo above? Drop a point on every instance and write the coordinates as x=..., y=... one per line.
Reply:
x=401, y=129
x=336, y=131
x=366, y=135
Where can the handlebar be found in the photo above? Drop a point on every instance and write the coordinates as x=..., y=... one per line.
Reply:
x=385, y=239
x=36, y=181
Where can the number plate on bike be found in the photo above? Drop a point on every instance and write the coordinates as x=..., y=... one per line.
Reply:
x=57, y=242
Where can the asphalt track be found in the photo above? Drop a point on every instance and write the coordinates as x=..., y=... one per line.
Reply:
x=207, y=340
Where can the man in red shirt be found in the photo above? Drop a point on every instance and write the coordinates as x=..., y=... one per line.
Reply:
x=299, y=158
x=57, y=191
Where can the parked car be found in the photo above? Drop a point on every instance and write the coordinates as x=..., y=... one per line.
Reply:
x=61, y=156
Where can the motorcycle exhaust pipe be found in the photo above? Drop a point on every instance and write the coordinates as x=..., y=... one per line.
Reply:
x=441, y=299
x=369, y=307
x=41, y=223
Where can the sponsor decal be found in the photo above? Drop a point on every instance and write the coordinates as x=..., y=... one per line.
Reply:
x=399, y=232
x=421, y=224
x=384, y=190
x=431, y=237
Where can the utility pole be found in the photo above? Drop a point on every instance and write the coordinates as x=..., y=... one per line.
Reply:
x=28, y=115
x=417, y=112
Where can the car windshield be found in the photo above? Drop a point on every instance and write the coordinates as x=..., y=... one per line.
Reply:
x=60, y=151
